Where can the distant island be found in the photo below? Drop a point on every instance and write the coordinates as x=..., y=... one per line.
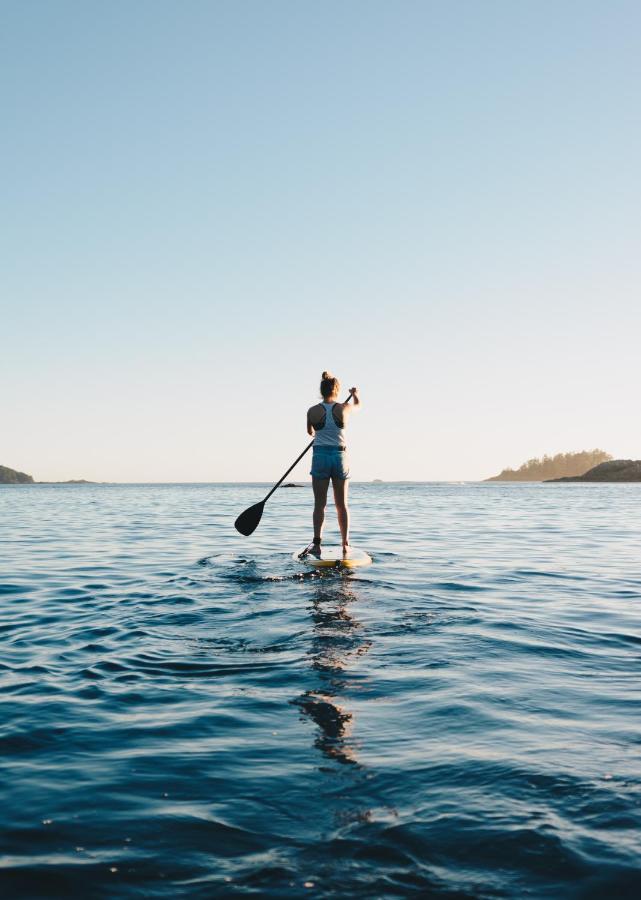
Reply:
x=70, y=481
x=12, y=476
x=553, y=468
x=613, y=470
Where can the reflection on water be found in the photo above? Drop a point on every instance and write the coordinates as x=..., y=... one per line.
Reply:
x=337, y=640
x=463, y=711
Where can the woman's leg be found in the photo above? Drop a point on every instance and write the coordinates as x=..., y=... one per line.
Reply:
x=342, y=510
x=320, y=486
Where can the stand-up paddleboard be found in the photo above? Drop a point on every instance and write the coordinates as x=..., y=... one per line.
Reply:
x=334, y=557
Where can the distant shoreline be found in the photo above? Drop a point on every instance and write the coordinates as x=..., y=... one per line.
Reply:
x=71, y=481
x=308, y=484
x=612, y=471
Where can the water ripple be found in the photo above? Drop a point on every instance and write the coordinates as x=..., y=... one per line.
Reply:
x=190, y=713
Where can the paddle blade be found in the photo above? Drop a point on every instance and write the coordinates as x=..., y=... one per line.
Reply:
x=247, y=522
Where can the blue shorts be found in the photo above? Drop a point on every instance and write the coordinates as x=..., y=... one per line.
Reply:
x=330, y=462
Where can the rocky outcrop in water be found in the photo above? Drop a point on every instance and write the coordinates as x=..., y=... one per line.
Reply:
x=614, y=470
x=10, y=476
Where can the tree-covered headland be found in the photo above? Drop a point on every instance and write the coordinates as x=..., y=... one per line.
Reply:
x=561, y=465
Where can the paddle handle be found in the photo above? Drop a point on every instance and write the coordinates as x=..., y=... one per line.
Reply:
x=295, y=463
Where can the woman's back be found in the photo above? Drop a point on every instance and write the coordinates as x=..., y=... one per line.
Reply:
x=328, y=423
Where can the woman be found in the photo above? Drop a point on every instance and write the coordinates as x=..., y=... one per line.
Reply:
x=326, y=423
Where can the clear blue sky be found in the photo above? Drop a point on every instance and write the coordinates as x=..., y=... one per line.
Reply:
x=207, y=203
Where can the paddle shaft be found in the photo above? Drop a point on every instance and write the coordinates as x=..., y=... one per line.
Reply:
x=295, y=463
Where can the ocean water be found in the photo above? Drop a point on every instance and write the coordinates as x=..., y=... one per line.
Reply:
x=190, y=713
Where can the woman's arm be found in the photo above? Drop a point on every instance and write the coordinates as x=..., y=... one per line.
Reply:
x=313, y=418
x=347, y=407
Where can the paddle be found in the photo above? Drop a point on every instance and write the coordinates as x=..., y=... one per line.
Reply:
x=247, y=522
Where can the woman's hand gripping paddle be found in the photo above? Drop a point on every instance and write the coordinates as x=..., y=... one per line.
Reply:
x=247, y=522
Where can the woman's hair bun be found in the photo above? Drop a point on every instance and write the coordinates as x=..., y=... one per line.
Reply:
x=330, y=385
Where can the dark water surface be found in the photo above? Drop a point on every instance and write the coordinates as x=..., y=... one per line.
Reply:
x=188, y=713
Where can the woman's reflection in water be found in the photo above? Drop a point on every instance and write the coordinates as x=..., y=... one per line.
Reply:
x=337, y=641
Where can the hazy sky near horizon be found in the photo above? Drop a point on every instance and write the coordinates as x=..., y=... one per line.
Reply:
x=207, y=203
